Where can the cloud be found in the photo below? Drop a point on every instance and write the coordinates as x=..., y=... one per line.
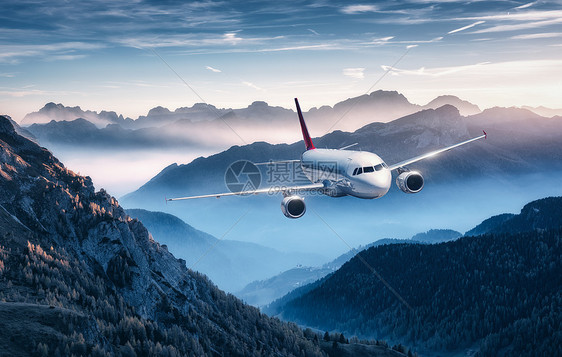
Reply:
x=434, y=72
x=213, y=69
x=357, y=73
x=231, y=38
x=252, y=85
x=522, y=26
x=382, y=40
x=519, y=16
x=526, y=5
x=534, y=36
x=466, y=27
x=54, y=51
x=314, y=32
x=65, y=57
x=356, y=9
x=295, y=48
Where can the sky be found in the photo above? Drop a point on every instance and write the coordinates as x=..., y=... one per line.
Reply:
x=131, y=56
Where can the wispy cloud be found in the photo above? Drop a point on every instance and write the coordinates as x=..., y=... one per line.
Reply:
x=65, y=57
x=382, y=40
x=357, y=9
x=534, y=36
x=521, y=26
x=433, y=72
x=526, y=5
x=54, y=51
x=252, y=85
x=295, y=48
x=314, y=32
x=213, y=69
x=232, y=38
x=357, y=73
x=466, y=27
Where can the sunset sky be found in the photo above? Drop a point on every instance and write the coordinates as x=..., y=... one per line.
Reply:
x=131, y=56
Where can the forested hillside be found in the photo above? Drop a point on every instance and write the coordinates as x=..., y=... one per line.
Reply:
x=80, y=277
x=501, y=290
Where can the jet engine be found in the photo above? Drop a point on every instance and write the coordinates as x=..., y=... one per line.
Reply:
x=293, y=206
x=410, y=181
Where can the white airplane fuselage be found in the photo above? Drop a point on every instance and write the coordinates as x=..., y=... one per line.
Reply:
x=345, y=172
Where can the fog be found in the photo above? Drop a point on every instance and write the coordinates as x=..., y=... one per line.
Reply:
x=332, y=226
x=120, y=172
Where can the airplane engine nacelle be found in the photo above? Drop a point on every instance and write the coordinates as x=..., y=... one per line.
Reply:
x=293, y=206
x=410, y=181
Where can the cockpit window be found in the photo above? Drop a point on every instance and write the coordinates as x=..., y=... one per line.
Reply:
x=359, y=171
x=355, y=171
x=378, y=167
x=367, y=169
x=384, y=165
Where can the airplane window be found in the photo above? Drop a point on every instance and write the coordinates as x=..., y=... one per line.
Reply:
x=359, y=171
x=355, y=172
x=378, y=167
x=384, y=165
x=368, y=169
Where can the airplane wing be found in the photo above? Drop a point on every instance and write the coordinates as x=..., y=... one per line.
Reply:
x=277, y=162
x=270, y=190
x=433, y=153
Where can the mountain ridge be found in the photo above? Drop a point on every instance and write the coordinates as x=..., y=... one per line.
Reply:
x=494, y=290
x=64, y=245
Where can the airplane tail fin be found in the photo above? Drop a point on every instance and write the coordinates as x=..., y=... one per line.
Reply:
x=305, y=135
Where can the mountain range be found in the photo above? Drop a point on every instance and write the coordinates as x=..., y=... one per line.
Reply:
x=262, y=292
x=518, y=141
x=81, y=277
x=500, y=291
x=55, y=124
x=228, y=263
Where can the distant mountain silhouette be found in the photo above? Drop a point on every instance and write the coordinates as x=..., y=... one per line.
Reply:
x=544, y=214
x=543, y=111
x=230, y=264
x=465, y=108
x=436, y=236
x=83, y=133
x=189, y=125
x=59, y=112
x=489, y=224
x=500, y=290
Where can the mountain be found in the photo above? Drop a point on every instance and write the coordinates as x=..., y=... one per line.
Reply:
x=263, y=292
x=190, y=126
x=83, y=133
x=506, y=151
x=465, y=108
x=499, y=291
x=81, y=277
x=543, y=111
x=436, y=236
x=59, y=112
x=230, y=264
x=489, y=224
x=544, y=214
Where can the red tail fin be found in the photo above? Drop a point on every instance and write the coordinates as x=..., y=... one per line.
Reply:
x=305, y=135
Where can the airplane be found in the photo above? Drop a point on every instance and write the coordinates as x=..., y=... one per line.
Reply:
x=341, y=172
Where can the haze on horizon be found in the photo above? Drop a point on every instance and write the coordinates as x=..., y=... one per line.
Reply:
x=130, y=57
